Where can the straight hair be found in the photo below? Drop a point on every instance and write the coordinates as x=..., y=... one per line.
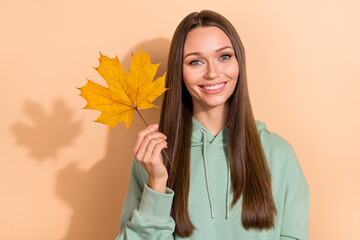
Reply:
x=250, y=176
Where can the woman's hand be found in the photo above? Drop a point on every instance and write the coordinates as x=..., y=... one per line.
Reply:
x=148, y=146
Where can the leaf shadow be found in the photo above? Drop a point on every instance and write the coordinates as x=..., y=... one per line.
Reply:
x=96, y=195
x=48, y=132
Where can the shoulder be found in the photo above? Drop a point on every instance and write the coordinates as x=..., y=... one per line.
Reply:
x=282, y=161
x=278, y=152
x=272, y=141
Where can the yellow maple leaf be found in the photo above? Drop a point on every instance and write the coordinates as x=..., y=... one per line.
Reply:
x=126, y=93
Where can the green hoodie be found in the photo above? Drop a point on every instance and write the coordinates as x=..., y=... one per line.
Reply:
x=146, y=213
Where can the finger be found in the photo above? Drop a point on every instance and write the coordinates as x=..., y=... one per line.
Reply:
x=158, y=148
x=142, y=134
x=145, y=142
x=150, y=147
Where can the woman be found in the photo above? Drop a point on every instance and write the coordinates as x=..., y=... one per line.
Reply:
x=230, y=178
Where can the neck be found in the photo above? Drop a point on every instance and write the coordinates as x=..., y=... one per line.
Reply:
x=213, y=119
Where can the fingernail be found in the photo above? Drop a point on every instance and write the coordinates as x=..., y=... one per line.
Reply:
x=154, y=126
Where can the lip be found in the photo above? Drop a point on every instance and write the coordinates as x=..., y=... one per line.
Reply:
x=205, y=87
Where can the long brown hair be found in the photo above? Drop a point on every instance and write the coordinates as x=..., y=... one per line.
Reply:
x=250, y=176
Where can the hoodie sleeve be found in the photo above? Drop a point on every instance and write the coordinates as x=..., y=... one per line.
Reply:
x=146, y=213
x=295, y=219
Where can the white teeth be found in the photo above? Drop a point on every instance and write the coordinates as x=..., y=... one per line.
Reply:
x=214, y=87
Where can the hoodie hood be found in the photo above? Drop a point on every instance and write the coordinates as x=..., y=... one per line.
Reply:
x=202, y=137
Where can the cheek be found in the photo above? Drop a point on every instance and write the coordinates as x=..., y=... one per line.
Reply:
x=187, y=81
x=186, y=76
x=233, y=71
x=190, y=77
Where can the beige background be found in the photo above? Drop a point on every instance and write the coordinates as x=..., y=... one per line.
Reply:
x=62, y=176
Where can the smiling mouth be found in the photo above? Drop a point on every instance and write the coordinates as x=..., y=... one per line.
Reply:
x=213, y=87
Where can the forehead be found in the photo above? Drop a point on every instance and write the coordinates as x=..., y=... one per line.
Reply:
x=205, y=39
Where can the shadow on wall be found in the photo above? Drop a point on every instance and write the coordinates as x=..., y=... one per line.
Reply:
x=47, y=133
x=96, y=196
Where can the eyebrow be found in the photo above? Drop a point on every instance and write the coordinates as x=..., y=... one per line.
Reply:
x=199, y=53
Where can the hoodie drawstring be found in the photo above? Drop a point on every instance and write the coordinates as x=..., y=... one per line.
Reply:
x=227, y=190
x=203, y=131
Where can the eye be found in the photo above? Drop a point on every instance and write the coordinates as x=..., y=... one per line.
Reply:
x=225, y=57
x=195, y=62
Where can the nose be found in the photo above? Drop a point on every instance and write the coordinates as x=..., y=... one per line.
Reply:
x=212, y=71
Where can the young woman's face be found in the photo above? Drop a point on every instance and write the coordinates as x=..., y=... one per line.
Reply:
x=210, y=68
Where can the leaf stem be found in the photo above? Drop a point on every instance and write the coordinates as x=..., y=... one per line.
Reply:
x=171, y=166
x=141, y=117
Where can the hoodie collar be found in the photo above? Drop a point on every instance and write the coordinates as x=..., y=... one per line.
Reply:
x=221, y=138
x=197, y=135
